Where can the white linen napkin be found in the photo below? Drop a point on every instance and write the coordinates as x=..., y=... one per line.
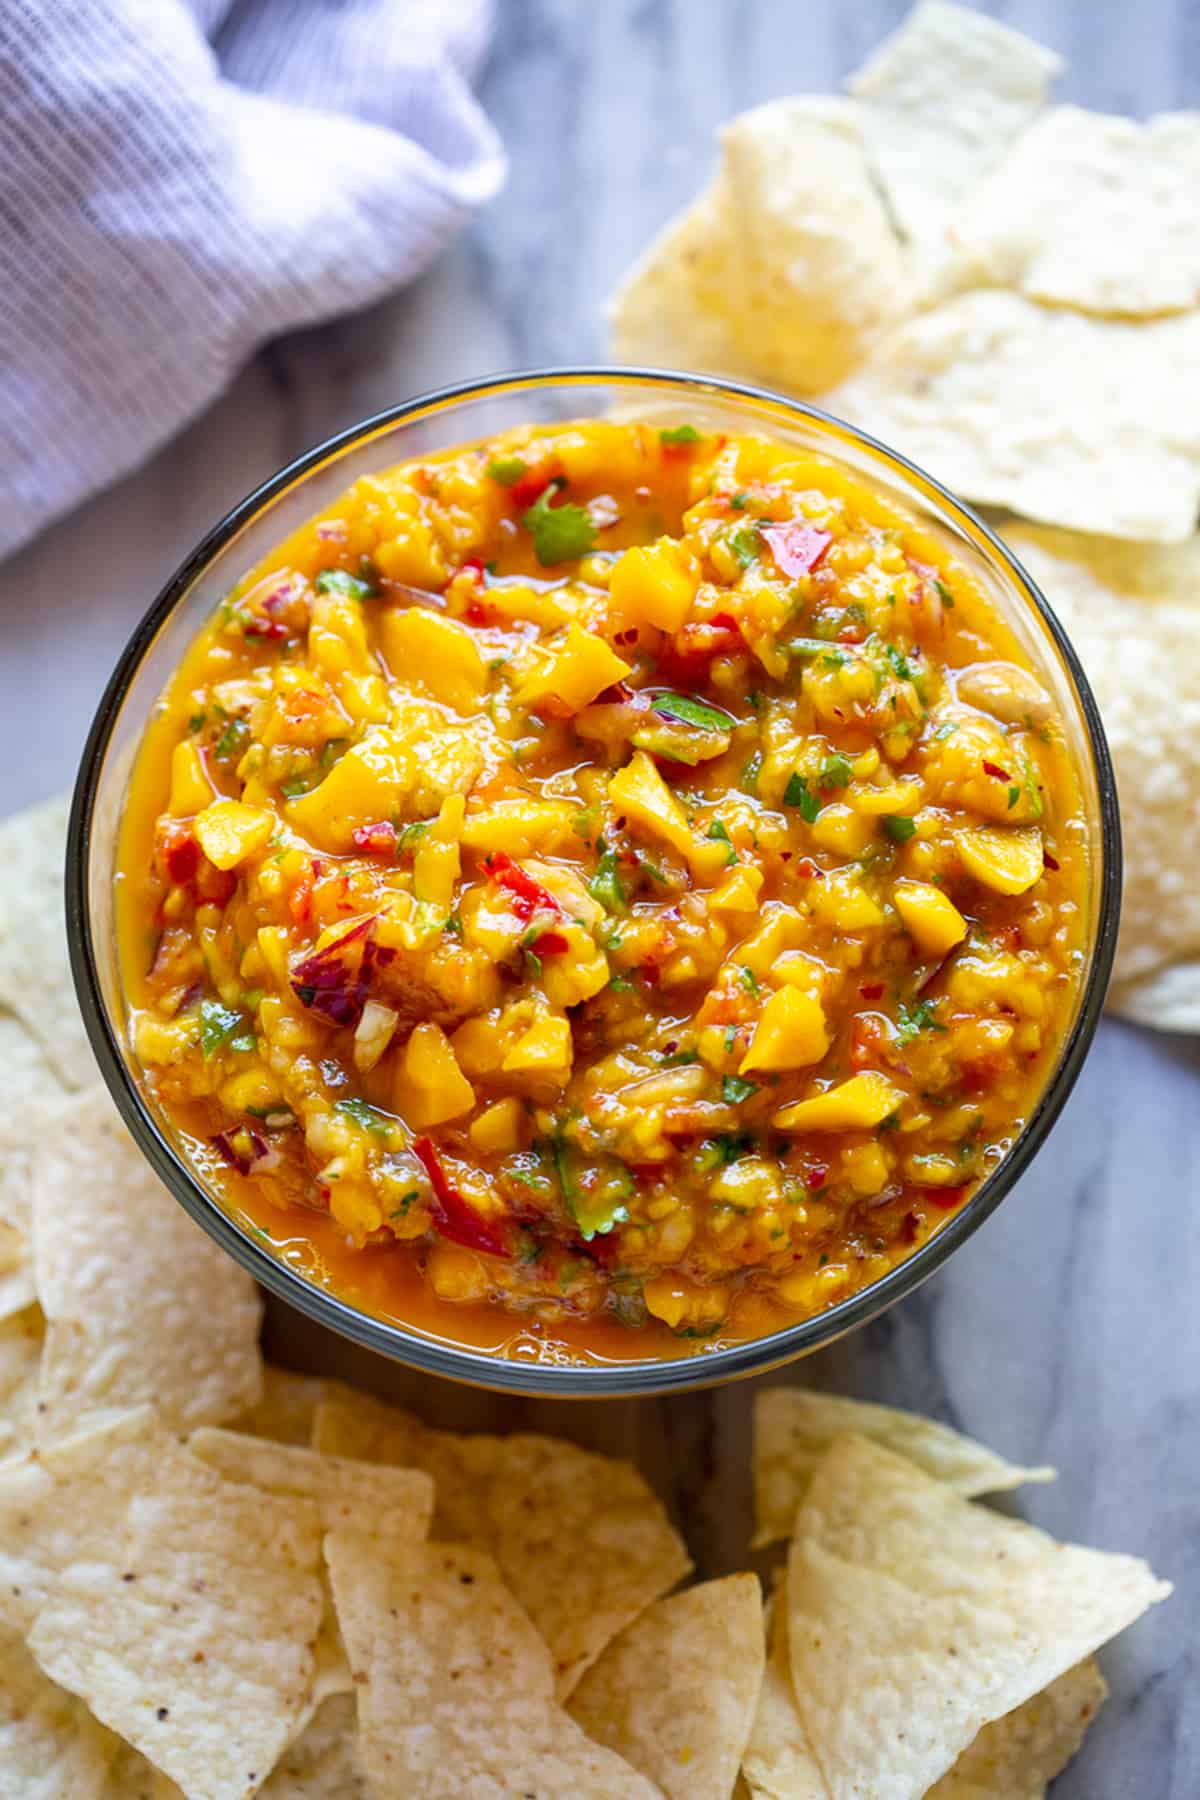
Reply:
x=181, y=179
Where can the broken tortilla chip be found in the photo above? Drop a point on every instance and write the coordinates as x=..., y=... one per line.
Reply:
x=940, y=102
x=51, y=1748
x=1021, y=1753
x=140, y=1304
x=345, y=1492
x=455, y=1687
x=285, y=1409
x=118, y=1540
x=1091, y=211
x=1074, y=420
x=794, y=1427
x=20, y=1354
x=779, y=1763
x=1133, y=614
x=898, y=1588
x=581, y=1539
x=676, y=1693
x=324, y=1763
x=33, y=937
x=818, y=265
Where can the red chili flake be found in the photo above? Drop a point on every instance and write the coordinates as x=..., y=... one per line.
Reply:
x=817, y=1176
x=377, y=839
x=1049, y=861
x=527, y=893
x=725, y=620
x=471, y=566
x=797, y=549
x=810, y=870
x=945, y=1198
x=550, y=943
x=996, y=772
x=851, y=634
x=531, y=486
x=454, y=1216
x=476, y=613
x=871, y=990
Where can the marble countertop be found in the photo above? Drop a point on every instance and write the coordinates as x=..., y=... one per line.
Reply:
x=1067, y=1331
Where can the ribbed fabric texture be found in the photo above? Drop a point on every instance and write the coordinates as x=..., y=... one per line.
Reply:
x=181, y=179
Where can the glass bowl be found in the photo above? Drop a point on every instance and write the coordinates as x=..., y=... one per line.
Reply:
x=419, y=427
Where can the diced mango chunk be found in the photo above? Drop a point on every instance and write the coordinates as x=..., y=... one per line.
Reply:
x=855, y=1105
x=497, y=1130
x=520, y=826
x=841, y=900
x=839, y=828
x=791, y=1033
x=639, y=791
x=680, y=1302
x=437, y=864
x=368, y=783
x=545, y=1049
x=1007, y=861
x=578, y=668
x=655, y=584
x=229, y=831
x=191, y=790
x=930, y=915
x=739, y=891
x=578, y=972
x=434, y=653
x=430, y=1086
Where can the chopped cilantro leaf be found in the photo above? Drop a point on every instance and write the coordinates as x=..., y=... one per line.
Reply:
x=730, y=1039
x=898, y=828
x=745, y=544
x=680, y=434
x=912, y=1020
x=232, y=740
x=748, y=979
x=196, y=722
x=1014, y=794
x=738, y=500
x=340, y=581
x=751, y=773
x=945, y=730
x=218, y=1024
x=798, y=793
x=899, y=665
x=944, y=594
x=734, y=1090
x=605, y=885
x=720, y=833
x=506, y=471
x=836, y=772
x=691, y=712
x=293, y=786
x=363, y=1114
x=559, y=532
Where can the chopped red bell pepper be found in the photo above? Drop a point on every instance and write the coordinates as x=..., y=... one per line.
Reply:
x=550, y=943
x=946, y=1198
x=181, y=853
x=454, y=1216
x=1049, y=862
x=996, y=772
x=797, y=549
x=527, y=893
x=871, y=990
x=531, y=487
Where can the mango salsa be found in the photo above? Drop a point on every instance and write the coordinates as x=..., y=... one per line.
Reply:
x=581, y=889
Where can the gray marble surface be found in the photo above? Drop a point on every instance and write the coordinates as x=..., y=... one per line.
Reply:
x=1068, y=1330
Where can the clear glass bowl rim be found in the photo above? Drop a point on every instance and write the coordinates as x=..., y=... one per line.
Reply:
x=478, y=1368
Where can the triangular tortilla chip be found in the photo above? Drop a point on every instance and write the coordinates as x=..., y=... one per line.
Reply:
x=51, y=1748
x=915, y=1618
x=140, y=1304
x=181, y=1607
x=581, y=1540
x=676, y=1693
x=35, y=975
x=941, y=100
x=345, y=1492
x=455, y=1687
x=794, y=1427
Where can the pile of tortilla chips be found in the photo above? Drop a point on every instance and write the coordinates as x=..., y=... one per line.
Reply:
x=219, y=1578
x=1008, y=292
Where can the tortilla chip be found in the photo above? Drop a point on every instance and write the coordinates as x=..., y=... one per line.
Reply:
x=1022, y=1752
x=1091, y=211
x=898, y=1590
x=1133, y=614
x=818, y=265
x=779, y=1763
x=35, y=974
x=324, y=1763
x=1073, y=420
x=581, y=1539
x=51, y=1748
x=676, y=1693
x=345, y=1492
x=675, y=306
x=941, y=100
x=285, y=1409
x=455, y=1687
x=181, y=1607
x=34, y=1092
x=131, y=1777
x=793, y=1428
x=140, y=1304
x=1013, y=1758
x=20, y=1354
